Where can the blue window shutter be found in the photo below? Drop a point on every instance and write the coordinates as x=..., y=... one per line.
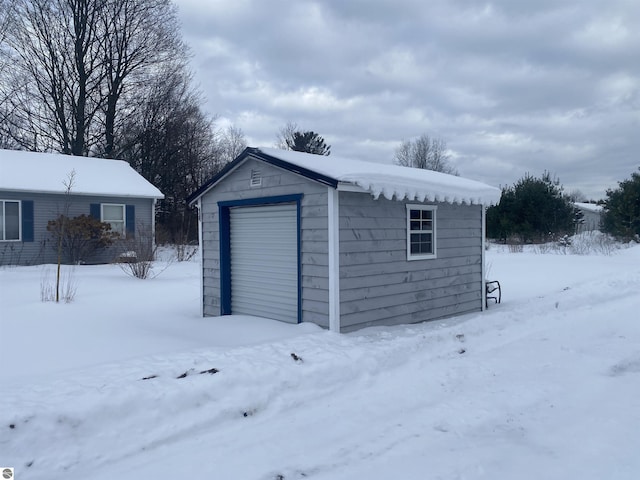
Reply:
x=94, y=210
x=131, y=220
x=27, y=220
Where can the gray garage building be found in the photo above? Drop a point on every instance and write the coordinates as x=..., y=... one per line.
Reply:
x=338, y=242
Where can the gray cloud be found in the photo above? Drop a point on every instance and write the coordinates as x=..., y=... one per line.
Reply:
x=511, y=86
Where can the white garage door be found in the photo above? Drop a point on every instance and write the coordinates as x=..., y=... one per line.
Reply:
x=264, y=261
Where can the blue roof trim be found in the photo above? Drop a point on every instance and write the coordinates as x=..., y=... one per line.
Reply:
x=305, y=172
x=258, y=155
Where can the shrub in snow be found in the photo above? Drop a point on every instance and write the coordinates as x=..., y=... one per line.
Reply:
x=587, y=243
x=66, y=289
x=10, y=253
x=80, y=237
x=138, y=253
x=185, y=252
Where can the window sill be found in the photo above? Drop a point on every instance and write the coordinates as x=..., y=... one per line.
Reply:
x=412, y=258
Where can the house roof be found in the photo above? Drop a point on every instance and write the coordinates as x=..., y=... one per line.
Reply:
x=22, y=171
x=389, y=181
x=590, y=207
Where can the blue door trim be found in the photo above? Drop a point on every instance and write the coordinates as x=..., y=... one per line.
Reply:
x=225, y=244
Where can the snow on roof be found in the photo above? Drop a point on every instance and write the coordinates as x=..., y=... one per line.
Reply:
x=22, y=171
x=392, y=181
x=591, y=207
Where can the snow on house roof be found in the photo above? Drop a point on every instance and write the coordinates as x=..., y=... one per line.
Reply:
x=22, y=171
x=591, y=207
x=390, y=181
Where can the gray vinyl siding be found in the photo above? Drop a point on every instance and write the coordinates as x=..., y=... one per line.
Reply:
x=591, y=221
x=378, y=286
x=47, y=207
x=275, y=182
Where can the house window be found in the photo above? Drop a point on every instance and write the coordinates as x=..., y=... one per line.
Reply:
x=9, y=220
x=115, y=216
x=421, y=232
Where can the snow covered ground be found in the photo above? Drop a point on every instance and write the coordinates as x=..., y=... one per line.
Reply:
x=544, y=386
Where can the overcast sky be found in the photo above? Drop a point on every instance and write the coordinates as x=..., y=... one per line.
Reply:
x=512, y=86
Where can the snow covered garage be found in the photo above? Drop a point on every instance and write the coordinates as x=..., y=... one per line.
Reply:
x=339, y=242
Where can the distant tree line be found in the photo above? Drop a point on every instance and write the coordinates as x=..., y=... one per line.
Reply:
x=109, y=78
x=535, y=209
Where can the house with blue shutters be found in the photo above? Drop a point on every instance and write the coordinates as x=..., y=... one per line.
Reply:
x=339, y=242
x=34, y=190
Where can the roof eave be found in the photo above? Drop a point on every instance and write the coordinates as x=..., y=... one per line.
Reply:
x=305, y=172
x=351, y=187
x=255, y=153
x=73, y=192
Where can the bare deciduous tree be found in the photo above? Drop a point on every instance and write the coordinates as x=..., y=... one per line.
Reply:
x=285, y=134
x=139, y=36
x=171, y=143
x=6, y=20
x=232, y=142
x=577, y=196
x=54, y=50
x=75, y=59
x=426, y=153
x=109, y=78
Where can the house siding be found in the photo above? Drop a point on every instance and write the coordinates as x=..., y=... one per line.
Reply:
x=379, y=286
x=313, y=233
x=590, y=221
x=47, y=207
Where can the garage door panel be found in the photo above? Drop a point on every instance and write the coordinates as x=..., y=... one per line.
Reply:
x=264, y=261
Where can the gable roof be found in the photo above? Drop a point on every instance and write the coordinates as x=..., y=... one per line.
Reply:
x=590, y=207
x=389, y=181
x=22, y=171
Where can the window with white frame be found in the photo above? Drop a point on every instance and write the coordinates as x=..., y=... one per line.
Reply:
x=9, y=220
x=114, y=215
x=421, y=232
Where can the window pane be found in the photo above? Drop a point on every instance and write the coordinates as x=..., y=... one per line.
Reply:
x=112, y=213
x=414, y=214
x=415, y=225
x=12, y=220
x=421, y=243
